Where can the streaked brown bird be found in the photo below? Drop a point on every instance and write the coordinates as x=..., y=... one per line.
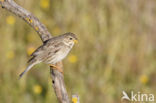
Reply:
x=52, y=51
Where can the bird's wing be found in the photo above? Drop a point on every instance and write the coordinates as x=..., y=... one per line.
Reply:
x=38, y=50
x=46, y=47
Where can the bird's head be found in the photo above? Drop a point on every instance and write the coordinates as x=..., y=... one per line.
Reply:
x=70, y=39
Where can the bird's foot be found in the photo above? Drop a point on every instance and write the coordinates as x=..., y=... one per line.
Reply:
x=57, y=68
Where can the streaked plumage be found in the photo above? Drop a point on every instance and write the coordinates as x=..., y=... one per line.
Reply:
x=52, y=50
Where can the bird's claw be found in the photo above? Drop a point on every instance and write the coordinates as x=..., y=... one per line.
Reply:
x=57, y=68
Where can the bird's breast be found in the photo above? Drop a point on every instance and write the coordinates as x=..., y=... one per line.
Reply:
x=61, y=54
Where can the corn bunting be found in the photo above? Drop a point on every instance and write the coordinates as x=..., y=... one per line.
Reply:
x=52, y=51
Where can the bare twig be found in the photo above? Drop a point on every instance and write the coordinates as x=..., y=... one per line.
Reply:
x=57, y=77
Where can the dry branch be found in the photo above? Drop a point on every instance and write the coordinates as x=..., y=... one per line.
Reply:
x=57, y=77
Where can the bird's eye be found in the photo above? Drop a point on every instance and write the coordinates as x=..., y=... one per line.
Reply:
x=70, y=38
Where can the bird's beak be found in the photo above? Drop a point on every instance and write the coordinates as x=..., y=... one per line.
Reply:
x=75, y=41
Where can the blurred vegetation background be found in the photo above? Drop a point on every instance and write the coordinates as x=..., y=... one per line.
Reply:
x=116, y=50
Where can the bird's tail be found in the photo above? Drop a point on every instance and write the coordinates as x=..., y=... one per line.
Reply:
x=28, y=68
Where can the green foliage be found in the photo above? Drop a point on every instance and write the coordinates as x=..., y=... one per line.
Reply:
x=116, y=50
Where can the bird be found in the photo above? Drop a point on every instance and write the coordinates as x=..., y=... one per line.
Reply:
x=52, y=51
